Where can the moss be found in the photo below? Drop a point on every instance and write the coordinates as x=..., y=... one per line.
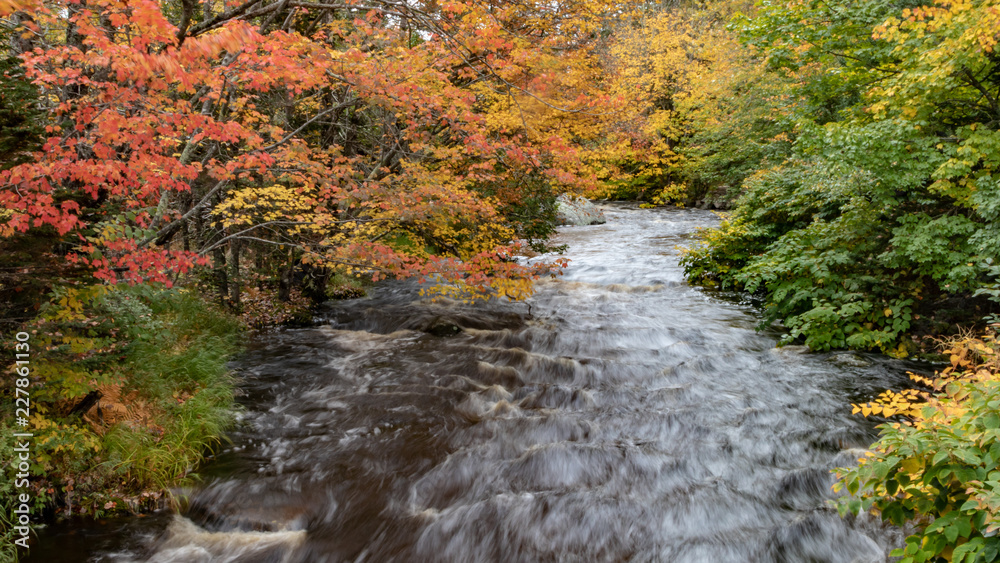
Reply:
x=342, y=286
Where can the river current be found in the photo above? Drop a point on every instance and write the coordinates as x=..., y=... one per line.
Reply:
x=625, y=416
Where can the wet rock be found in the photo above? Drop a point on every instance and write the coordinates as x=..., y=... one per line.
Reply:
x=791, y=350
x=850, y=360
x=443, y=328
x=578, y=211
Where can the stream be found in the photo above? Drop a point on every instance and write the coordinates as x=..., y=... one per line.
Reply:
x=627, y=417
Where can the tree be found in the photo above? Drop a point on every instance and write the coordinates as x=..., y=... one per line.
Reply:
x=890, y=175
x=359, y=136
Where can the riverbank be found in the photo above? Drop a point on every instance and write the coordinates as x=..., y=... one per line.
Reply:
x=129, y=390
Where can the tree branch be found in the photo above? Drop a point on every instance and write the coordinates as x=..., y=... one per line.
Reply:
x=311, y=120
x=223, y=17
x=172, y=227
x=219, y=242
x=982, y=90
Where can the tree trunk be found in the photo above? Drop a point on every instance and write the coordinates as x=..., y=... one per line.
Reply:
x=317, y=278
x=287, y=279
x=221, y=279
x=233, y=272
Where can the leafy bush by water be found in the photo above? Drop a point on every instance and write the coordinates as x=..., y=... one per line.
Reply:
x=938, y=466
x=846, y=250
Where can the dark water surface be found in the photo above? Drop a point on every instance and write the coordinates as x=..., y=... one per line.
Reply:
x=630, y=417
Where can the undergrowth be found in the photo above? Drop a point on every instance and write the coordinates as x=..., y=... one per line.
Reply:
x=155, y=361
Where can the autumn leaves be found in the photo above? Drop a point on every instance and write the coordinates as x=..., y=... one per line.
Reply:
x=360, y=138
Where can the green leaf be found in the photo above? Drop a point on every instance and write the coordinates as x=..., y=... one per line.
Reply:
x=940, y=456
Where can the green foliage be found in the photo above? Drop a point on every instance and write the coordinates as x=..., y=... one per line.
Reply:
x=943, y=473
x=829, y=45
x=939, y=247
x=806, y=236
x=992, y=290
x=819, y=237
x=527, y=202
x=632, y=187
x=813, y=281
x=639, y=184
x=875, y=200
x=20, y=120
x=8, y=551
x=159, y=359
x=724, y=251
x=342, y=286
x=199, y=342
x=750, y=130
x=155, y=461
x=872, y=216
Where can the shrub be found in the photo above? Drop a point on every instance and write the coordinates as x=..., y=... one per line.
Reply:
x=937, y=463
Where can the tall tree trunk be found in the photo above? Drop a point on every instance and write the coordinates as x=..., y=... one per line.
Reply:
x=221, y=279
x=233, y=272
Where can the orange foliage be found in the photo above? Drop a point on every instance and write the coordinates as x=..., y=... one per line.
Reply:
x=975, y=359
x=222, y=131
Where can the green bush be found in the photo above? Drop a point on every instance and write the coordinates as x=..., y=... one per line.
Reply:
x=844, y=247
x=938, y=467
x=527, y=203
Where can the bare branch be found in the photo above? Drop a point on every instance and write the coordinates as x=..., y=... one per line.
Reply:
x=240, y=234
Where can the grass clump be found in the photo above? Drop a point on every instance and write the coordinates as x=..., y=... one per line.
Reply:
x=129, y=390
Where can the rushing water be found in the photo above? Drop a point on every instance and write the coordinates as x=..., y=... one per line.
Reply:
x=628, y=417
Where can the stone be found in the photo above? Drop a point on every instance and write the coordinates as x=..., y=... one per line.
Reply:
x=850, y=360
x=578, y=211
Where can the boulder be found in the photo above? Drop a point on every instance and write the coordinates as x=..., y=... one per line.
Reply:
x=578, y=211
x=717, y=198
x=850, y=360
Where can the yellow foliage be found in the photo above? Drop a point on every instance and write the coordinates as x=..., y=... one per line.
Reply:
x=669, y=74
x=70, y=303
x=971, y=359
x=53, y=439
x=267, y=204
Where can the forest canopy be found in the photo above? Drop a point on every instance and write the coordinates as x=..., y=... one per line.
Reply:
x=381, y=138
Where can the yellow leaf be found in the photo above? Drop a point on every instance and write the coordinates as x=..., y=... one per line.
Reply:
x=911, y=465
